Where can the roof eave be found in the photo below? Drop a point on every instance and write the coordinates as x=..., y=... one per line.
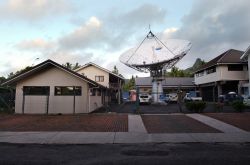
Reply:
x=205, y=68
x=93, y=64
x=245, y=54
x=40, y=66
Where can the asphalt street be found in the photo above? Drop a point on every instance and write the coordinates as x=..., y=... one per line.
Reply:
x=121, y=154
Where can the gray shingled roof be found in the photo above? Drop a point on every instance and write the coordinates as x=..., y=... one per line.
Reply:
x=169, y=81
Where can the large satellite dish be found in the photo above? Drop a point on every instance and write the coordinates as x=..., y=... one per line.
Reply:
x=154, y=55
x=153, y=52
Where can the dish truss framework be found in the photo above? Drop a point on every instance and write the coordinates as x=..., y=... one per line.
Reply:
x=155, y=56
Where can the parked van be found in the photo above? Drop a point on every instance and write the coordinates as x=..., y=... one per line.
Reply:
x=145, y=98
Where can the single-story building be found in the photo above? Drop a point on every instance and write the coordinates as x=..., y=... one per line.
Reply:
x=169, y=84
x=50, y=88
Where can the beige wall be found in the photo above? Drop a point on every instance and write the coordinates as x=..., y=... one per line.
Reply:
x=233, y=75
x=95, y=102
x=57, y=104
x=92, y=71
x=222, y=74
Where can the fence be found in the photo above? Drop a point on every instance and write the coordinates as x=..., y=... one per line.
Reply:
x=7, y=99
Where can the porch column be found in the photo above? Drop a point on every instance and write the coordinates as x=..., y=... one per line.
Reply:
x=119, y=91
x=239, y=88
x=219, y=89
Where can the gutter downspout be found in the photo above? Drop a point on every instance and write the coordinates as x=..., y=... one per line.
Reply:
x=74, y=101
x=23, y=101
x=119, y=92
x=88, y=98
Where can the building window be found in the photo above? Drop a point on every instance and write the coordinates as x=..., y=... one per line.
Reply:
x=99, y=78
x=211, y=70
x=95, y=92
x=92, y=92
x=36, y=90
x=235, y=67
x=98, y=92
x=68, y=91
x=199, y=74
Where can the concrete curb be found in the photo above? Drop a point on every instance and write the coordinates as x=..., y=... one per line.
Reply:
x=119, y=137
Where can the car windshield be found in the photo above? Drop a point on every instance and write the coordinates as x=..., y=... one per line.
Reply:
x=143, y=96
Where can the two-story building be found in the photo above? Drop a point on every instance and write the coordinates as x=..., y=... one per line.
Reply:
x=246, y=57
x=106, y=78
x=223, y=74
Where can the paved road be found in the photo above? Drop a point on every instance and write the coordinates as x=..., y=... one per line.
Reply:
x=146, y=154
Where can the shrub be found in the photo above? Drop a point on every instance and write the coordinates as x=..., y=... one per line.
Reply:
x=218, y=107
x=196, y=106
x=6, y=110
x=238, y=106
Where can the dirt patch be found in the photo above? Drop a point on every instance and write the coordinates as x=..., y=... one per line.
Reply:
x=175, y=124
x=78, y=123
x=240, y=120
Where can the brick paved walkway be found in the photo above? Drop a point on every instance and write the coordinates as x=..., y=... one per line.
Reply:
x=175, y=124
x=83, y=123
x=240, y=120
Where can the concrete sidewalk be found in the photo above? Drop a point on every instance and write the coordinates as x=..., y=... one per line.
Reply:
x=118, y=137
x=136, y=134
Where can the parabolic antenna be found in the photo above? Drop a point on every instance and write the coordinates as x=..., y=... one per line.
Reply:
x=154, y=55
x=153, y=52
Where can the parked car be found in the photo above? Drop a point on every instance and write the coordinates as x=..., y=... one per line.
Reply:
x=164, y=98
x=190, y=97
x=172, y=97
x=125, y=96
x=246, y=100
x=230, y=97
x=145, y=98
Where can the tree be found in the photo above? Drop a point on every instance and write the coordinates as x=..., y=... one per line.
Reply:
x=176, y=72
x=130, y=84
x=27, y=68
x=71, y=66
x=2, y=79
x=115, y=70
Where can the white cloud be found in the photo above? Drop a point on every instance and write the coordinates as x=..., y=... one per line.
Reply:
x=14, y=61
x=91, y=34
x=112, y=32
x=141, y=16
x=62, y=57
x=33, y=10
x=37, y=44
x=214, y=27
x=168, y=33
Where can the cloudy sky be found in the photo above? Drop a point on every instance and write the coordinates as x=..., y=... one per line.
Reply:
x=100, y=31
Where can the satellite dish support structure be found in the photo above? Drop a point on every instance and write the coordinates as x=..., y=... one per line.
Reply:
x=161, y=58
